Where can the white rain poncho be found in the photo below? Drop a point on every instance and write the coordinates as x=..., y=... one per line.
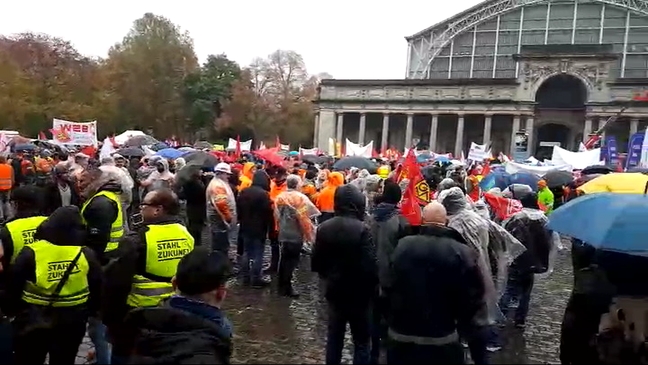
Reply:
x=490, y=241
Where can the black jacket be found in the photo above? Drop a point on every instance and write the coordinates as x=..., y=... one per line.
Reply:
x=436, y=284
x=193, y=192
x=343, y=254
x=99, y=216
x=181, y=331
x=52, y=197
x=128, y=260
x=254, y=207
x=387, y=227
x=62, y=228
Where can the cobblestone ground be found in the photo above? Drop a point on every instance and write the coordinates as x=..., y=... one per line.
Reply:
x=272, y=329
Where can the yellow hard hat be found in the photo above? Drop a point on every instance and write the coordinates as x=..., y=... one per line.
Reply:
x=383, y=171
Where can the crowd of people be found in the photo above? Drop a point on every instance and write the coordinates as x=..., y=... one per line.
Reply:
x=118, y=244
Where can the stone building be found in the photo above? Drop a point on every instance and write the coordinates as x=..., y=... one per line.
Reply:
x=552, y=70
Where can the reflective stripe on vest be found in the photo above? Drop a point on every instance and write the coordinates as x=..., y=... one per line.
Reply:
x=166, y=244
x=22, y=232
x=117, y=227
x=51, y=263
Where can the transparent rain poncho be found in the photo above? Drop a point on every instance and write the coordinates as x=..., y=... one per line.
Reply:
x=492, y=243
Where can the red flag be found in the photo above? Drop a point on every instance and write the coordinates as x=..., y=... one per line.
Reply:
x=237, y=151
x=486, y=169
x=41, y=136
x=503, y=208
x=417, y=193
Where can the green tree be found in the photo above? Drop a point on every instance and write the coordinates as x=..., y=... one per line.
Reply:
x=53, y=81
x=207, y=89
x=147, y=72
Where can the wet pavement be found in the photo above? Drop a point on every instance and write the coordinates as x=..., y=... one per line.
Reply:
x=273, y=329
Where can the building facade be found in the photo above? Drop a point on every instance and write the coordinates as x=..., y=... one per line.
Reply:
x=554, y=70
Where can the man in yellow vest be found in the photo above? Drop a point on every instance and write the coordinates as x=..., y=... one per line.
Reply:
x=56, y=284
x=101, y=211
x=102, y=215
x=146, y=262
x=19, y=231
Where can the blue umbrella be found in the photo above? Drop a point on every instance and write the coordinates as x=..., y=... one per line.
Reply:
x=293, y=153
x=169, y=153
x=441, y=159
x=608, y=221
x=423, y=157
x=495, y=179
x=526, y=179
x=159, y=146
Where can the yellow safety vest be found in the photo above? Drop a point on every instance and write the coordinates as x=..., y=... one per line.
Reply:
x=117, y=228
x=51, y=263
x=166, y=244
x=22, y=232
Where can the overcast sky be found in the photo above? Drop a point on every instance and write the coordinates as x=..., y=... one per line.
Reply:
x=346, y=38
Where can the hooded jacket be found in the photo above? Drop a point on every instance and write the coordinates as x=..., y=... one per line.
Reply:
x=254, y=207
x=245, y=180
x=343, y=253
x=100, y=214
x=62, y=228
x=325, y=199
x=181, y=331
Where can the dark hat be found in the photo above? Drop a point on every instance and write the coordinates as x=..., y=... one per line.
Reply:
x=201, y=271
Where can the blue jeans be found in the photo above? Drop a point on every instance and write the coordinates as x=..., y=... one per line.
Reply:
x=359, y=319
x=219, y=238
x=253, y=251
x=97, y=333
x=518, y=286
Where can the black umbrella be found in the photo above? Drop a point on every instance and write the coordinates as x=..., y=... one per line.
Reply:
x=131, y=152
x=315, y=159
x=355, y=161
x=597, y=169
x=202, y=145
x=557, y=178
x=139, y=141
x=643, y=170
x=200, y=158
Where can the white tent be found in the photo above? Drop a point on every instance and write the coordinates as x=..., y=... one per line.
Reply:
x=122, y=138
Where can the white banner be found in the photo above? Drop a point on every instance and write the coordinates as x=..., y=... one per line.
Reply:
x=331, y=147
x=308, y=151
x=643, y=161
x=577, y=160
x=353, y=149
x=245, y=145
x=284, y=147
x=74, y=133
x=478, y=152
x=514, y=168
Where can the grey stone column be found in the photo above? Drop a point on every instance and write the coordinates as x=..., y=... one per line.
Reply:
x=385, y=133
x=434, y=126
x=514, y=130
x=408, y=130
x=339, y=129
x=459, y=138
x=530, y=130
x=587, y=130
x=363, y=128
x=634, y=127
x=488, y=126
x=316, y=129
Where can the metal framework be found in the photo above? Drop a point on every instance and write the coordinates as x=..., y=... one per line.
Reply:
x=426, y=47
